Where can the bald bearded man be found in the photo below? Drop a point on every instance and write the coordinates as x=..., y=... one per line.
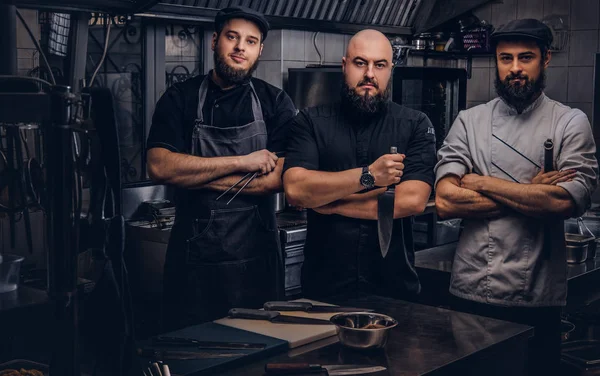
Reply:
x=337, y=163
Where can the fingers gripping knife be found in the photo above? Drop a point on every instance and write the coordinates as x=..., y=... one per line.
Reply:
x=385, y=215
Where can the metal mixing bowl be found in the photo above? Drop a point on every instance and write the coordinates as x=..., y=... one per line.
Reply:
x=363, y=330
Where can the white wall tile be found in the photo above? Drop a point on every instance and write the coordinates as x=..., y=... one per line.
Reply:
x=580, y=53
x=334, y=48
x=580, y=84
x=272, y=46
x=484, y=12
x=478, y=87
x=271, y=72
x=504, y=13
x=556, y=83
x=557, y=7
x=584, y=14
x=530, y=9
x=481, y=62
x=310, y=53
x=586, y=107
x=492, y=90
x=292, y=42
x=560, y=59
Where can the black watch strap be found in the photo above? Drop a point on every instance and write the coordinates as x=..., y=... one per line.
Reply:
x=365, y=170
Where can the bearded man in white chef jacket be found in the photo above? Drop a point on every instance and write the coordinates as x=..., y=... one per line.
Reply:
x=510, y=261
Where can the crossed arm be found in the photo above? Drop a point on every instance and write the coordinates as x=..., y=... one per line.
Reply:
x=476, y=196
x=336, y=193
x=218, y=173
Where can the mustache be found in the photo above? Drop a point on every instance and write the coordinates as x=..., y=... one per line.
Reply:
x=513, y=76
x=369, y=82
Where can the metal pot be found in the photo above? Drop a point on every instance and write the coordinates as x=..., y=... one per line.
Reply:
x=363, y=330
x=577, y=247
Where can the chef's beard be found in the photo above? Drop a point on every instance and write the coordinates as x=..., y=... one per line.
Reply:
x=520, y=96
x=230, y=74
x=365, y=104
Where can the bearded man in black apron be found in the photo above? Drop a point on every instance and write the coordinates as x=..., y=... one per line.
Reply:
x=207, y=133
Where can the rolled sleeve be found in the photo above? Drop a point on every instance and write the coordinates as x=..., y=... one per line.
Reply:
x=166, y=130
x=578, y=153
x=302, y=149
x=454, y=157
x=420, y=155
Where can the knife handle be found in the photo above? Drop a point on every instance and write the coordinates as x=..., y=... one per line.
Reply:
x=393, y=150
x=291, y=368
x=287, y=306
x=253, y=314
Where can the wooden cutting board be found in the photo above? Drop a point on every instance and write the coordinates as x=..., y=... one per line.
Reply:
x=295, y=334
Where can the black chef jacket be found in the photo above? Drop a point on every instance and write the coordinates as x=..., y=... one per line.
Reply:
x=343, y=254
x=175, y=115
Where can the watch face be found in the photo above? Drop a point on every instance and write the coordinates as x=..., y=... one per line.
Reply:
x=367, y=180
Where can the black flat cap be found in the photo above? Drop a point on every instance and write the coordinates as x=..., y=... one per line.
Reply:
x=227, y=14
x=528, y=28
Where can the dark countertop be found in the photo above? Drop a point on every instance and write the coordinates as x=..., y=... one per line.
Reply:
x=434, y=266
x=440, y=258
x=427, y=341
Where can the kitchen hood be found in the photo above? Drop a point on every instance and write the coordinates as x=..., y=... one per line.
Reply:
x=106, y=6
x=394, y=17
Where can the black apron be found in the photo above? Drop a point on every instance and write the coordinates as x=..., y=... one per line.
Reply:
x=222, y=256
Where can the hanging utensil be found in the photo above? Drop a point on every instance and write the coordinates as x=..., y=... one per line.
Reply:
x=385, y=214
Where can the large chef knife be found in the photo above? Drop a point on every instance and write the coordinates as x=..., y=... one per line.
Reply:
x=309, y=307
x=385, y=215
x=274, y=317
x=218, y=345
x=183, y=355
x=341, y=369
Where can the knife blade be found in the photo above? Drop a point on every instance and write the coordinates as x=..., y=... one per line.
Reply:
x=274, y=317
x=183, y=355
x=309, y=307
x=178, y=341
x=332, y=370
x=385, y=215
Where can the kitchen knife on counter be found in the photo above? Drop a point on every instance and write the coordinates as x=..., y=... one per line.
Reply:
x=332, y=370
x=274, y=317
x=183, y=355
x=309, y=307
x=385, y=214
x=218, y=345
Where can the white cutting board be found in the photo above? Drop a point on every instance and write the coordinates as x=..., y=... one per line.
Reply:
x=295, y=334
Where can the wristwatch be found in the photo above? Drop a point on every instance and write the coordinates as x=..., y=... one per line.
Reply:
x=366, y=179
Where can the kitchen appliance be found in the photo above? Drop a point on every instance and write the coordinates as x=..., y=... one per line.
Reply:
x=363, y=330
x=10, y=268
x=292, y=236
x=314, y=86
x=577, y=247
x=441, y=93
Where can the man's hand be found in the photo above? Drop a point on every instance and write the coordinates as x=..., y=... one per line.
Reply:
x=472, y=182
x=262, y=161
x=553, y=177
x=387, y=170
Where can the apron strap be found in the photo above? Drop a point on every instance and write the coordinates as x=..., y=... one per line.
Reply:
x=256, y=108
x=201, y=99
